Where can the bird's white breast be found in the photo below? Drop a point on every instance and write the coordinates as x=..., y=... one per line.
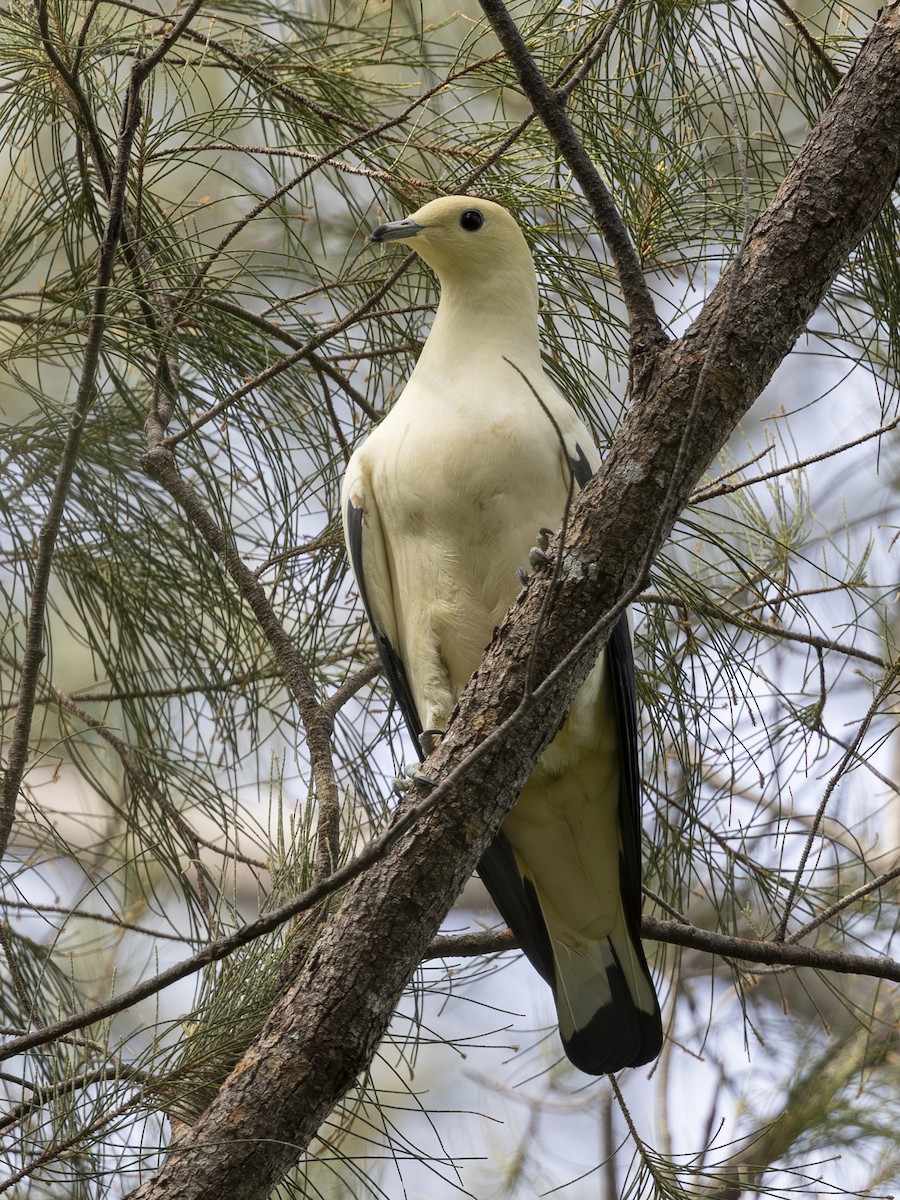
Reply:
x=463, y=481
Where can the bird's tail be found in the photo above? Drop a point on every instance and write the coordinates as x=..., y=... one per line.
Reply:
x=608, y=1012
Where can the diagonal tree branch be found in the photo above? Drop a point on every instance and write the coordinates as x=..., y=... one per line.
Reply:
x=327, y=1027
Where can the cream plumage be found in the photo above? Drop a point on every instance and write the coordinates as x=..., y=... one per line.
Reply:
x=441, y=505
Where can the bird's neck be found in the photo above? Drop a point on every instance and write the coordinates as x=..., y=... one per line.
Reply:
x=475, y=326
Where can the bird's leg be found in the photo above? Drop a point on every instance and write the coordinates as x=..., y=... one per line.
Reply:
x=430, y=739
x=537, y=555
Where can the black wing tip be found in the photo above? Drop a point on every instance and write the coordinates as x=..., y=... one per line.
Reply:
x=614, y=1039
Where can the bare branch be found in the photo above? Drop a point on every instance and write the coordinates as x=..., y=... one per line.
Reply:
x=845, y=902
x=351, y=686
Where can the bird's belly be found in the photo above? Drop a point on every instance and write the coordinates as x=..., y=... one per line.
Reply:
x=482, y=489
x=463, y=518
x=463, y=586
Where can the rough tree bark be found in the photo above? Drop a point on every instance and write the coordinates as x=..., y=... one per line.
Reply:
x=685, y=404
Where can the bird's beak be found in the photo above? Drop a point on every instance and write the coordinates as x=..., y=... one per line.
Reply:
x=396, y=231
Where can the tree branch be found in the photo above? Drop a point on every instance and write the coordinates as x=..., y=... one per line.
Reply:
x=677, y=933
x=159, y=463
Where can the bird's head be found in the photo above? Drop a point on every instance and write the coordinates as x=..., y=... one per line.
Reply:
x=475, y=243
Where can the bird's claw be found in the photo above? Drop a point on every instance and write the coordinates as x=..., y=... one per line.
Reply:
x=522, y=576
x=405, y=783
x=421, y=777
x=430, y=739
x=537, y=555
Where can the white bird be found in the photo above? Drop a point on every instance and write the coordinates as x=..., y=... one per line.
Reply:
x=441, y=505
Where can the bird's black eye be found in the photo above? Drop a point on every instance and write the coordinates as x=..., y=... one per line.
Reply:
x=471, y=220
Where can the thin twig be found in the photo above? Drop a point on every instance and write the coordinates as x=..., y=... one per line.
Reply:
x=63, y=910
x=724, y=489
x=549, y=103
x=861, y=760
x=665, y=905
x=392, y=180
x=327, y=540
x=840, y=905
x=650, y=1165
x=814, y=45
x=838, y=773
x=743, y=619
x=50, y=529
x=569, y=79
x=164, y=693
x=274, y=330
x=51, y=1093
x=730, y=474
x=26, y=1002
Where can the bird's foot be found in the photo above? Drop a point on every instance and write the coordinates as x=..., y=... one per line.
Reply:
x=430, y=739
x=405, y=783
x=537, y=555
x=421, y=777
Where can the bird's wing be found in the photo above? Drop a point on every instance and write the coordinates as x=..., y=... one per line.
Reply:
x=626, y=1030
x=609, y=1016
x=620, y=661
x=371, y=569
x=512, y=893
